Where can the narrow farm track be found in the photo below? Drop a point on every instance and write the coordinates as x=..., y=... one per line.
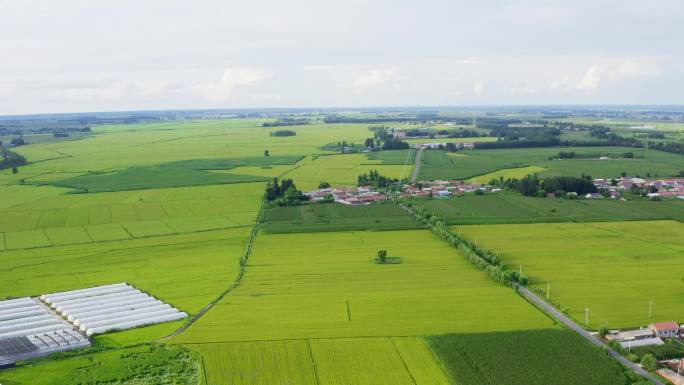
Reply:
x=555, y=313
x=416, y=167
x=233, y=286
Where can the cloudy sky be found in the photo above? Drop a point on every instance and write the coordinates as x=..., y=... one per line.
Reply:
x=69, y=55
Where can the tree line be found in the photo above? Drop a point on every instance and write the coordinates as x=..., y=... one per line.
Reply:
x=376, y=180
x=532, y=185
x=11, y=160
x=484, y=259
x=282, y=133
x=286, y=122
x=284, y=193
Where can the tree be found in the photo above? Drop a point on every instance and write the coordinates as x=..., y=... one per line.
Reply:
x=479, y=192
x=382, y=256
x=370, y=143
x=323, y=185
x=266, y=153
x=603, y=330
x=292, y=197
x=273, y=190
x=18, y=142
x=14, y=170
x=649, y=362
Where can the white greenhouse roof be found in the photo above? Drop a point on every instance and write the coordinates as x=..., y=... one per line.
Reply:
x=101, y=309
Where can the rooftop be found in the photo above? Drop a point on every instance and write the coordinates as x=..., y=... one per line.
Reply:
x=671, y=325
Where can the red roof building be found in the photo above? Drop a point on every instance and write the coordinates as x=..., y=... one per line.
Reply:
x=665, y=329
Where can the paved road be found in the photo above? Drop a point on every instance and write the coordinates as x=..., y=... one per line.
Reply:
x=416, y=168
x=593, y=339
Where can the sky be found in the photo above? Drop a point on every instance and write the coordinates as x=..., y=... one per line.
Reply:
x=73, y=56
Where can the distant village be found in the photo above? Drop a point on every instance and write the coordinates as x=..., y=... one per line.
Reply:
x=608, y=189
x=366, y=195
x=655, y=188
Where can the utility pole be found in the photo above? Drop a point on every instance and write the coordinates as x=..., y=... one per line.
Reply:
x=586, y=317
x=548, y=291
x=650, y=309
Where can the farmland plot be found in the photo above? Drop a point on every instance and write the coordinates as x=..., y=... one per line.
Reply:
x=258, y=363
x=186, y=271
x=615, y=269
x=83, y=218
x=338, y=217
x=354, y=361
x=317, y=285
x=507, y=207
x=472, y=163
x=533, y=357
x=342, y=170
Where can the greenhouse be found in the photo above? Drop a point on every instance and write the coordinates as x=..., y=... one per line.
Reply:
x=107, y=308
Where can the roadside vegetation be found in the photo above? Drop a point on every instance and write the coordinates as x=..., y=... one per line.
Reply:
x=145, y=365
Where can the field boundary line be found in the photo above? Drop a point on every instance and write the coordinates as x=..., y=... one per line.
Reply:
x=313, y=361
x=416, y=167
x=396, y=349
x=238, y=280
x=132, y=238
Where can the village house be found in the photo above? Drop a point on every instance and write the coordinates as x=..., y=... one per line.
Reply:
x=665, y=329
x=349, y=196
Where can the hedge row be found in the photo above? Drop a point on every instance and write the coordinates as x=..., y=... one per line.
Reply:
x=483, y=259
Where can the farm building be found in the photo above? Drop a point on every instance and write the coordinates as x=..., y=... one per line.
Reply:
x=671, y=376
x=29, y=329
x=102, y=309
x=633, y=335
x=633, y=338
x=665, y=329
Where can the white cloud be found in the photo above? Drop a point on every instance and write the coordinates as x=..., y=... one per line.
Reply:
x=373, y=78
x=468, y=60
x=618, y=71
x=479, y=88
x=591, y=79
x=562, y=84
x=233, y=78
x=116, y=91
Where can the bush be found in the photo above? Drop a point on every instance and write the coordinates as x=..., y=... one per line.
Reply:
x=649, y=362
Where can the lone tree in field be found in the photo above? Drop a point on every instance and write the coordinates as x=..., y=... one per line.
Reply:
x=266, y=153
x=15, y=170
x=324, y=185
x=382, y=256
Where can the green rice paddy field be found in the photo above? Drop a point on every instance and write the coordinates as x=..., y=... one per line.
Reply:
x=85, y=218
x=338, y=217
x=473, y=163
x=613, y=268
x=500, y=208
x=325, y=285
